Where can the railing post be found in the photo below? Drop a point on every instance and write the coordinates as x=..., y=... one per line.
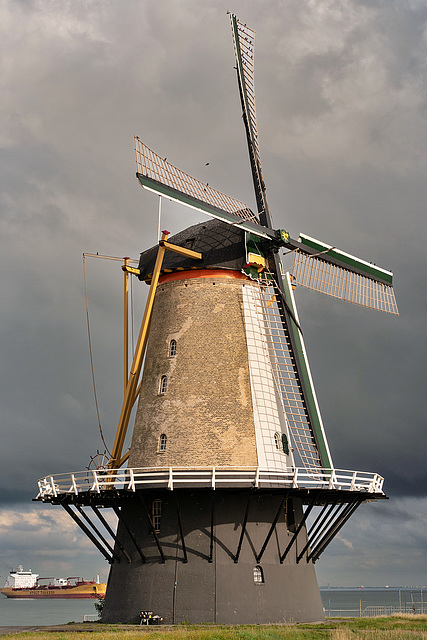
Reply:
x=73, y=480
x=170, y=482
x=132, y=480
x=295, y=479
x=213, y=478
x=332, y=479
x=52, y=484
x=95, y=481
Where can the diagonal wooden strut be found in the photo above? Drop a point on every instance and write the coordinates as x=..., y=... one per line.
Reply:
x=120, y=515
x=98, y=533
x=87, y=531
x=242, y=533
x=300, y=526
x=153, y=530
x=346, y=513
x=178, y=515
x=317, y=526
x=131, y=389
x=111, y=532
x=266, y=541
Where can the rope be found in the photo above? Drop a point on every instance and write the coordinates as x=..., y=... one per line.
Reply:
x=91, y=360
x=131, y=315
x=160, y=217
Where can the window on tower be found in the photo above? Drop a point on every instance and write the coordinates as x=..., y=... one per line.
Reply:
x=172, y=348
x=281, y=442
x=163, y=384
x=156, y=514
x=285, y=444
x=162, y=443
x=258, y=575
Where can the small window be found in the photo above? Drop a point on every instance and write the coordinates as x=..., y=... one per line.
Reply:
x=258, y=575
x=285, y=444
x=163, y=384
x=156, y=514
x=189, y=243
x=281, y=442
x=172, y=348
x=162, y=443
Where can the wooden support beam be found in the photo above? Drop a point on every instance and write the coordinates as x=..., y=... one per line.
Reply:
x=344, y=516
x=184, y=549
x=273, y=524
x=121, y=518
x=242, y=533
x=87, y=531
x=317, y=525
x=98, y=533
x=153, y=531
x=111, y=532
x=300, y=526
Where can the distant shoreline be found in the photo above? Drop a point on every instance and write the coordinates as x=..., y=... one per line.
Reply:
x=402, y=588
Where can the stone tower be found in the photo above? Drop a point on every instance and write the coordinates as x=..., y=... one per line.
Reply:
x=210, y=553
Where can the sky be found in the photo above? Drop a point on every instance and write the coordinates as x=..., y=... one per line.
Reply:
x=341, y=90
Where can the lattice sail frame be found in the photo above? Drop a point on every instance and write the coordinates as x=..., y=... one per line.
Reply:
x=160, y=176
x=244, y=44
x=293, y=378
x=361, y=283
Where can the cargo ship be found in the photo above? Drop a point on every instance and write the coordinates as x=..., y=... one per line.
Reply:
x=26, y=584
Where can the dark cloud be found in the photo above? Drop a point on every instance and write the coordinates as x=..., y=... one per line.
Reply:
x=341, y=101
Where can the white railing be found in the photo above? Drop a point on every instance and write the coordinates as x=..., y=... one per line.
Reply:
x=213, y=477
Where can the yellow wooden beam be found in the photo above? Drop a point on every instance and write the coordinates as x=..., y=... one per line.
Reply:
x=128, y=269
x=123, y=459
x=131, y=380
x=182, y=251
x=135, y=370
x=125, y=323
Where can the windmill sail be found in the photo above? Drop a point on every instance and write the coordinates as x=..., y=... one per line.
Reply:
x=244, y=41
x=292, y=375
x=323, y=268
x=160, y=176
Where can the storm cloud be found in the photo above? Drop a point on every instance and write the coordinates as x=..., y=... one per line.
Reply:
x=341, y=104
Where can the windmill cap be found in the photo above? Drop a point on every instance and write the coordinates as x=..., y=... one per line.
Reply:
x=222, y=247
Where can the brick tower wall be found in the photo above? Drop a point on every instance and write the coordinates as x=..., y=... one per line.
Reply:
x=206, y=412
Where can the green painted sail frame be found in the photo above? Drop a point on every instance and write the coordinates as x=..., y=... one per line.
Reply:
x=304, y=372
x=194, y=203
x=345, y=260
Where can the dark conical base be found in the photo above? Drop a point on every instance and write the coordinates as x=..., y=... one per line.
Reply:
x=215, y=576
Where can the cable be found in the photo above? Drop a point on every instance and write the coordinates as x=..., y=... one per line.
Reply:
x=131, y=315
x=91, y=359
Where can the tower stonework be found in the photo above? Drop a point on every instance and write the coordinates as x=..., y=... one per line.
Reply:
x=205, y=413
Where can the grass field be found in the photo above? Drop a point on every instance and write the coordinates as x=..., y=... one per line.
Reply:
x=411, y=627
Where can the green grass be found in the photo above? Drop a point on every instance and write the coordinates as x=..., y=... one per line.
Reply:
x=381, y=628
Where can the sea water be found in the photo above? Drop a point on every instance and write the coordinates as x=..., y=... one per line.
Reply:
x=27, y=612
x=336, y=602
x=369, y=601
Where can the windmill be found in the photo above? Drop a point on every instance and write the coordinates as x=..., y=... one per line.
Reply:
x=230, y=494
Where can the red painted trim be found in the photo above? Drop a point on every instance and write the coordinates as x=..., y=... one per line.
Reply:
x=202, y=273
